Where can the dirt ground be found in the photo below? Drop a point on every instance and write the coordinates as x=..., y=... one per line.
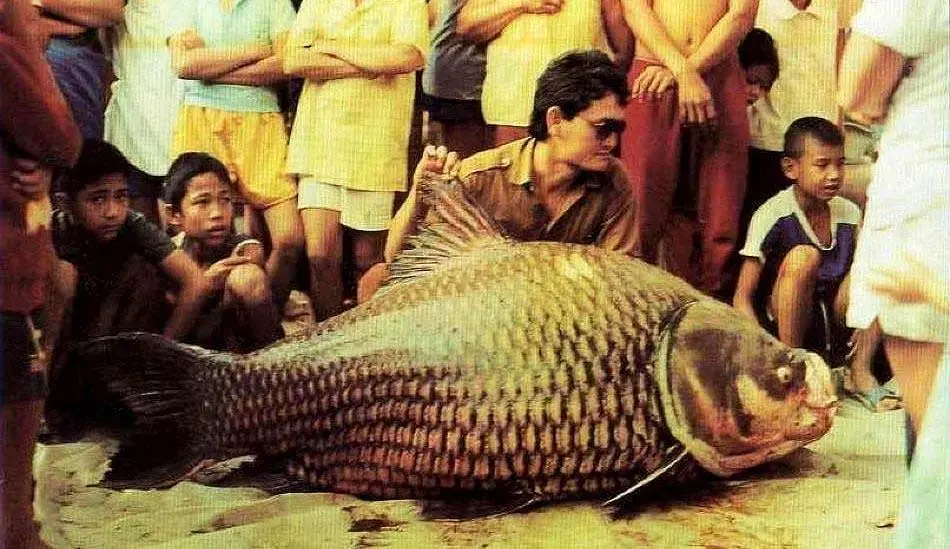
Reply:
x=842, y=491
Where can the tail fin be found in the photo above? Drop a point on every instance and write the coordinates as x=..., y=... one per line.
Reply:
x=158, y=380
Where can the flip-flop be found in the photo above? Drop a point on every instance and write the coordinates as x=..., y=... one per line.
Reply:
x=872, y=399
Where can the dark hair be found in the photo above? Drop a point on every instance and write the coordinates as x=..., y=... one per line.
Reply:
x=572, y=82
x=758, y=48
x=819, y=128
x=185, y=167
x=96, y=160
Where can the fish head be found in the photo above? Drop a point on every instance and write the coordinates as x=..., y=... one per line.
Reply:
x=734, y=395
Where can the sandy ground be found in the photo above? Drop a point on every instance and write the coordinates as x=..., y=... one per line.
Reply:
x=842, y=491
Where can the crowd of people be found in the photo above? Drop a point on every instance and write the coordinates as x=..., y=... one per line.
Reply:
x=203, y=155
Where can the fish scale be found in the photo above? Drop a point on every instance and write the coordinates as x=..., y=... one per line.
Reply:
x=548, y=369
x=541, y=405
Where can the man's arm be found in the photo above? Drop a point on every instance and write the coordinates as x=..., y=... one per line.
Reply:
x=749, y=276
x=304, y=62
x=266, y=72
x=33, y=115
x=184, y=271
x=481, y=21
x=376, y=59
x=723, y=39
x=869, y=75
x=434, y=161
x=87, y=13
x=696, y=104
x=193, y=60
x=618, y=33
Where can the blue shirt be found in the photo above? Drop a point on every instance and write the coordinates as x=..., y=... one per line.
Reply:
x=780, y=224
x=455, y=68
x=248, y=22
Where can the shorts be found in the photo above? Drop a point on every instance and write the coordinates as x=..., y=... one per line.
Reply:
x=453, y=111
x=923, y=237
x=360, y=210
x=20, y=382
x=253, y=146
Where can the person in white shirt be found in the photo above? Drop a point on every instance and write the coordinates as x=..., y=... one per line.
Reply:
x=805, y=34
x=896, y=69
x=144, y=102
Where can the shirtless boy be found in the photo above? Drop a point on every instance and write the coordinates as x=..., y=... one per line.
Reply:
x=689, y=98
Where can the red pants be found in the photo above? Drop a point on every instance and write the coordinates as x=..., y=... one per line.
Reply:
x=660, y=153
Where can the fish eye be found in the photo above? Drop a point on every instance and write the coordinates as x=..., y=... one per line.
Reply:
x=784, y=374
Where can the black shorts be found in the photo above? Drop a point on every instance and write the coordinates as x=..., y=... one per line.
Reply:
x=453, y=110
x=20, y=381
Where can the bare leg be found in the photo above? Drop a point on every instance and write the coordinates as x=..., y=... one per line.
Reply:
x=367, y=250
x=324, y=236
x=248, y=288
x=793, y=296
x=865, y=341
x=914, y=364
x=19, y=425
x=287, y=240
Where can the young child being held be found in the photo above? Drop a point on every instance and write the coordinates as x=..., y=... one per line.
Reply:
x=239, y=312
x=798, y=254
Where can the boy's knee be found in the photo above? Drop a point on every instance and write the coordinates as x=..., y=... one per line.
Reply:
x=248, y=283
x=801, y=263
x=65, y=280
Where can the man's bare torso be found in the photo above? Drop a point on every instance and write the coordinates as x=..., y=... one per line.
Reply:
x=686, y=23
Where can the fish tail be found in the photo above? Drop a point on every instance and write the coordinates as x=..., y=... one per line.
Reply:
x=160, y=381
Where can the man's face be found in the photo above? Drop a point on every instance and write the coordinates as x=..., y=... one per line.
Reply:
x=588, y=139
x=101, y=208
x=206, y=210
x=819, y=171
x=758, y=80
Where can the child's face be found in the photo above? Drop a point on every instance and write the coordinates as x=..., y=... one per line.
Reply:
x=820, y=170
x=206, y=210
x=758, y=80
x=101, y=208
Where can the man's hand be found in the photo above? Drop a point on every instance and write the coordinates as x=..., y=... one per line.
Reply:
x=696, y=102
x=217, y=274
x=543, y=6
x=31, y=179
x=436, y=160
x=654, y=80
x=190, y=40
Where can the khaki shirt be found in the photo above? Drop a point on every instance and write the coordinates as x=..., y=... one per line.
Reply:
x=499, y=180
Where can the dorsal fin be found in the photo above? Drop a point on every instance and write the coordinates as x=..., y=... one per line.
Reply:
x=460, y=228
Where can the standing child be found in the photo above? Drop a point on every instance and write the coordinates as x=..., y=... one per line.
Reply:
x=36, y=135
x=229, y=52
x=239, y=313
x=351, y=133
x=759, y=60
x=799, y=250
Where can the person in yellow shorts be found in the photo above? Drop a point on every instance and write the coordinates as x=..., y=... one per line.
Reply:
x=228, y=52
x=351, y=132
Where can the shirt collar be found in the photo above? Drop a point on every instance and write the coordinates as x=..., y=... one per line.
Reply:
x=521, y=173
x=784, y=9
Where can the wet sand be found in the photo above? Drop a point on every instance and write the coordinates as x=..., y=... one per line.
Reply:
x=842, y=491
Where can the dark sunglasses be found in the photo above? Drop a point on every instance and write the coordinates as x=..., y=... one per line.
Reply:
x=606, y=128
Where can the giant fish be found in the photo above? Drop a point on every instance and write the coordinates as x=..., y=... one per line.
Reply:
x=485, y=365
